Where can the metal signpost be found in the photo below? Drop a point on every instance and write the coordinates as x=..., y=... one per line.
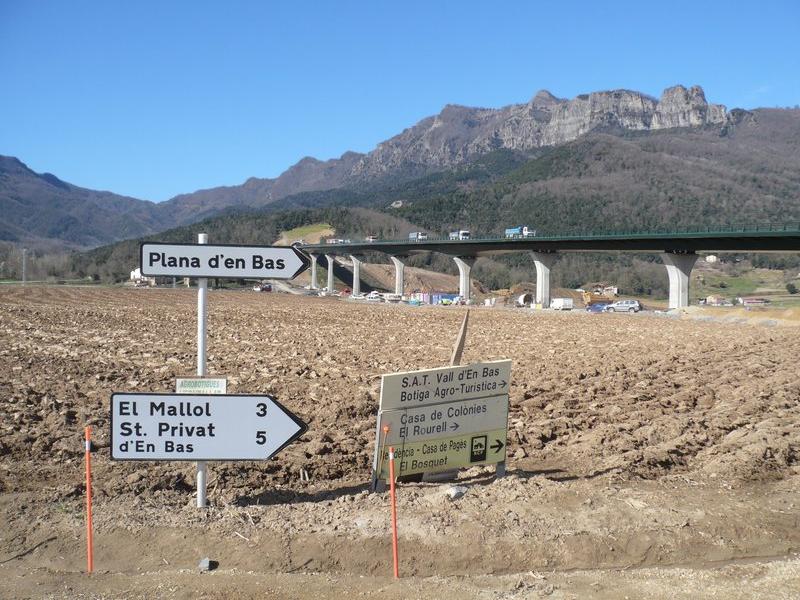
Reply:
x=202, y=318
x=200, y=427
x=443, y=419
x=199, y=436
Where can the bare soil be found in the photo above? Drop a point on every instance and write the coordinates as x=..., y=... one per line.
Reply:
x=648, y=457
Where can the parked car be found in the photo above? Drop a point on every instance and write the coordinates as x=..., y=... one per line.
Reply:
x=596, y=308
x=374, y=296
x=624, y=306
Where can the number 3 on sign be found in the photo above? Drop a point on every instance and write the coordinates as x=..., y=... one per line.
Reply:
x=261, y=437
x=262, y=409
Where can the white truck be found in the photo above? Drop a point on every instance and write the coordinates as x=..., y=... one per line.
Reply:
x=561, y=304
x=523, y=231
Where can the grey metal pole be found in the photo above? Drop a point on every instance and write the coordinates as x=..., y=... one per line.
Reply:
x=24, y=265
x=202, y=314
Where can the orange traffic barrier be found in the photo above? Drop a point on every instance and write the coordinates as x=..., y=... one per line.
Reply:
x=89, y=541
x=394, y=514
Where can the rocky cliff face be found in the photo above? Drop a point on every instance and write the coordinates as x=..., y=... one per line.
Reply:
x=459, y=132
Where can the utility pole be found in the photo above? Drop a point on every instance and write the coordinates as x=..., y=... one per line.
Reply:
x=24, y=265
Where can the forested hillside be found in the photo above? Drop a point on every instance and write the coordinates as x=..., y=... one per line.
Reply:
x=636, y=183
x=746, y=173
x=115, y=261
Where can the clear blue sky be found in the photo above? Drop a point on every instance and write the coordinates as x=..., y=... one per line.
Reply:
x=152, y=99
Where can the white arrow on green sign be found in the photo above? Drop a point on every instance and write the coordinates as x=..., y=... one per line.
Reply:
x=443, y=420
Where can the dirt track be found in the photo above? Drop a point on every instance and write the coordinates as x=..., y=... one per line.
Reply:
x=634, y=441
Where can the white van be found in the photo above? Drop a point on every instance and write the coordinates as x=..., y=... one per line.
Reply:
x=561, y=304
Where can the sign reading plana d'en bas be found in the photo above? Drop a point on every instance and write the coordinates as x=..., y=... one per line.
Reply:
x=225, y=261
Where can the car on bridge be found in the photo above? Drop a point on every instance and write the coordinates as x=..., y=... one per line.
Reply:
x=632, y=306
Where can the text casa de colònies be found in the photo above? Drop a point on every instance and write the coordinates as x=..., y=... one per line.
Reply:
x=464, y=385
x=183, y=409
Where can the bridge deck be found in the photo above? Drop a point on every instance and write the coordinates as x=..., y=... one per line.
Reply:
x=766, y=238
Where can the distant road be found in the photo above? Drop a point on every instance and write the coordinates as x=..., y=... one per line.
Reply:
x=284, y=287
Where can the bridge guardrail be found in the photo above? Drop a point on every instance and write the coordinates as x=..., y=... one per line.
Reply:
x=660, y=232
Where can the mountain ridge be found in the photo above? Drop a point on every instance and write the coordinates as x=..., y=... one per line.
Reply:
x=453, y=137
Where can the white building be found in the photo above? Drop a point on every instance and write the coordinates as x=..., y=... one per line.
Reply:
x=139, y=279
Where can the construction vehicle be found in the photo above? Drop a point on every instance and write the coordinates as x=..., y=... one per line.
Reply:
x=597, y=297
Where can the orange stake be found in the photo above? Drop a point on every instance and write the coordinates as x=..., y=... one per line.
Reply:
x=394, y=514
x=89, y=541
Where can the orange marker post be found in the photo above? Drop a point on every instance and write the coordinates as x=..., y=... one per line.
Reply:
x=394, y=514
x=382, y=449
x=89, y=541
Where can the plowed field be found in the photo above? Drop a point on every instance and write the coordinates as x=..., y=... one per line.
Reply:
x=648, y=456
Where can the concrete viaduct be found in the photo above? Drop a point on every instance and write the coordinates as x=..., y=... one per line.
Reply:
x=678, y=251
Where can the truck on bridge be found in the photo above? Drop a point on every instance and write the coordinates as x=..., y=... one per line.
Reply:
x=461, y=234
x=523, y=231
x=417, y=236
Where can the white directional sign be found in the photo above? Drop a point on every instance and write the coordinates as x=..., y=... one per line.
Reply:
x=199, y=427
x=447, y=384
x=226, y=261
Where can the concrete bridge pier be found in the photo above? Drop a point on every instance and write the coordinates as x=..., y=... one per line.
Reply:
x=543, y=261
x=356, y=275
x=331, y=261
x=313, y=271
x=464, y=264
x=399, y=267
x=679, y=269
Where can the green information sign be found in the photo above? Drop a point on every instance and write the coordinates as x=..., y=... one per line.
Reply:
x=445, y=454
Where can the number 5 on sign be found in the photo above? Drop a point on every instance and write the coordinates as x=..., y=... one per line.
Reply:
x=261, y=437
